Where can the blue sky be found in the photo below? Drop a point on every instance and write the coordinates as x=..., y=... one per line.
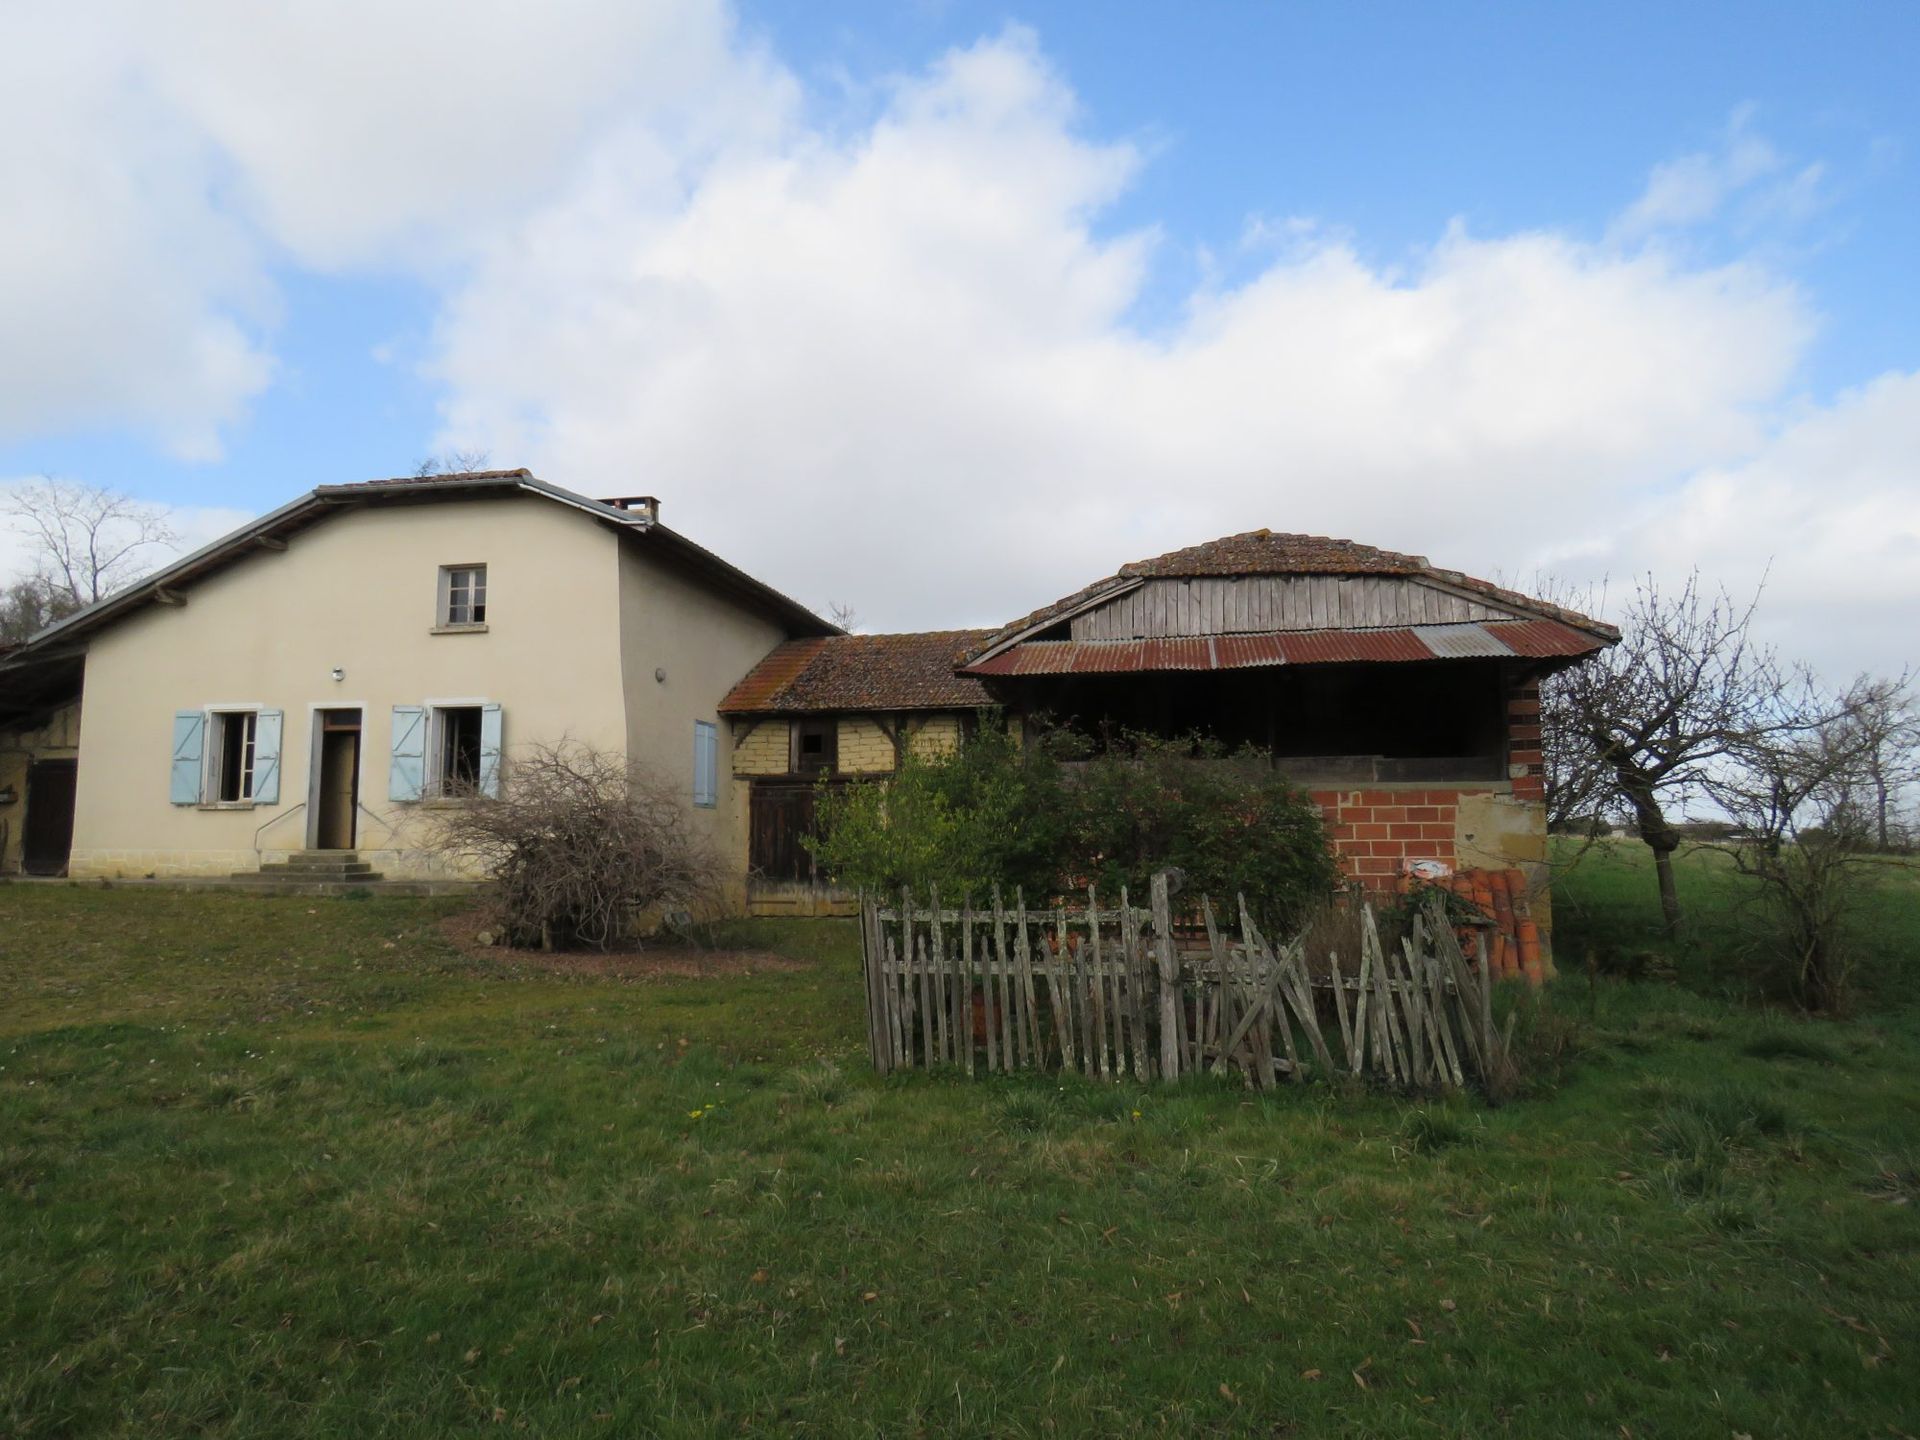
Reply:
x=1201, y=157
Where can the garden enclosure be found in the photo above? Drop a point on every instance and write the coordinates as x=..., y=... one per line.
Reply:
x=1121, y=990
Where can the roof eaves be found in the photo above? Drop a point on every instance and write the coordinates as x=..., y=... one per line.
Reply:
x=1098, y=593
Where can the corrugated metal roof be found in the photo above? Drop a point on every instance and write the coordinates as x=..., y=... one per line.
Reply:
x=1527, y=639
x=1543, y=639
x=1460, y=641
x=1338, y=647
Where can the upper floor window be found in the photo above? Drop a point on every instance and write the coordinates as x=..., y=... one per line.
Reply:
x=463, y=595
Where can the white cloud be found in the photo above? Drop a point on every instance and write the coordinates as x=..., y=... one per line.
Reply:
x=1827, y=512
x=160, y=157
x=892, y=359
x=897, y=368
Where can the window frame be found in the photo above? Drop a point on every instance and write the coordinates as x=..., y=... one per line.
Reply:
x=434, y=770
x=213, y=749
x=444, y=621
x=829, y=730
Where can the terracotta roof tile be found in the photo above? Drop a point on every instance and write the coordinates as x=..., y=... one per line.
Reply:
x=861, y=672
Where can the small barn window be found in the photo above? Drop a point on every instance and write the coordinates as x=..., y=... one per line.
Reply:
x=815, y=747
x=463, y=595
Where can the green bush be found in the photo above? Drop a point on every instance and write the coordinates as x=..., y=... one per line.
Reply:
x=1228, y=819
x=1044, y=819
x=989, y=813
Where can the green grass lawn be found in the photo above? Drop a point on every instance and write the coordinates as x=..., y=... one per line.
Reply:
x=288, y=1168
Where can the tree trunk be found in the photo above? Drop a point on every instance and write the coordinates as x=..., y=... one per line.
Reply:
x=1669, y=897
x=1661, y=838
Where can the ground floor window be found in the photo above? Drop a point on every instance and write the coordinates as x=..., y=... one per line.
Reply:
x=235, y=735
x=456, y=749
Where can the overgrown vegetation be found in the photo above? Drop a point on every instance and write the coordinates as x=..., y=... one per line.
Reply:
x=580, y=847
x=1054, y=816
x=302, y=1168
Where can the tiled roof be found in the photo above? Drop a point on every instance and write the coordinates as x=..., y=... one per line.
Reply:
x=451, y=477
x=1274, y=552
x=1526, y=639
x=861, y=672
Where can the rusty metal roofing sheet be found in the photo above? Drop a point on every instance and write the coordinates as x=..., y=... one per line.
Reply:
x=1543, y=639
x=1467, y=641
x=1334, y=647
x=1501, y=639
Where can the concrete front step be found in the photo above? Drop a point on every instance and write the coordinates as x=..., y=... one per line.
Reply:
x=358, y=869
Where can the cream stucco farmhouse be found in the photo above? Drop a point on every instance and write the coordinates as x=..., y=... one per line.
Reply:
x=316, y=679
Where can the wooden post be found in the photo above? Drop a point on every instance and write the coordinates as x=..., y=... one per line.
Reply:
x=1026, y=980
x=870, y=971
x=1060, y=984
x=927, y=1007
x=966, y=977
x=942, y=991
x=1136, y=962
x=1007, y=990
x=1340, y=1005
x=1169, y=980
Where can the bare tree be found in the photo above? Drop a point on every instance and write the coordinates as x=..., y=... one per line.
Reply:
x=845, y=616
x=1647, y=722
x=453, y=462
x=1889, y=728
x=1800, y=831
x=87, y=541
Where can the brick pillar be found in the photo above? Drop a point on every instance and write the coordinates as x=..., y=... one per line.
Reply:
x=1524, y=761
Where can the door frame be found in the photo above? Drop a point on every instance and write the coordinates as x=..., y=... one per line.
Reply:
x=38, y=765
x=316, y=740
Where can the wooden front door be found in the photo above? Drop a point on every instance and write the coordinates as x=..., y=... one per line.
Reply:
x=47, y=839
x=337, y=798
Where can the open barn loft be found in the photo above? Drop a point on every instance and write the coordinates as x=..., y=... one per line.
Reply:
x=1345, y=662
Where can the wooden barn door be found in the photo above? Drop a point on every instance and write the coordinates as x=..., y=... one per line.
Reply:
x=780, y=818
x=47, y=839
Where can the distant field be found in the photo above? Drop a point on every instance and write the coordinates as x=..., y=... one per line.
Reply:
x=304, y=1168
x=1606, y=909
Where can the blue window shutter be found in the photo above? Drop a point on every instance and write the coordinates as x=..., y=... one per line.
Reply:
x=490, y=750
x=266, y=757
x=189, y=740
x=407, y=758
x=706, y=763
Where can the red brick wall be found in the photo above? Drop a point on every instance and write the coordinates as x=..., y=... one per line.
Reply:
x=1375, y=831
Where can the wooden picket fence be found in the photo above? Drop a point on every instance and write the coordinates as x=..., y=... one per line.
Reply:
x=1117, y=991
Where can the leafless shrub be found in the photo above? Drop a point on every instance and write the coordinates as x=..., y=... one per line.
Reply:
x=579, y=845
x=1802, y=830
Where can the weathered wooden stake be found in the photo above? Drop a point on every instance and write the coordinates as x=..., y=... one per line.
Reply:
x=1169, y=979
